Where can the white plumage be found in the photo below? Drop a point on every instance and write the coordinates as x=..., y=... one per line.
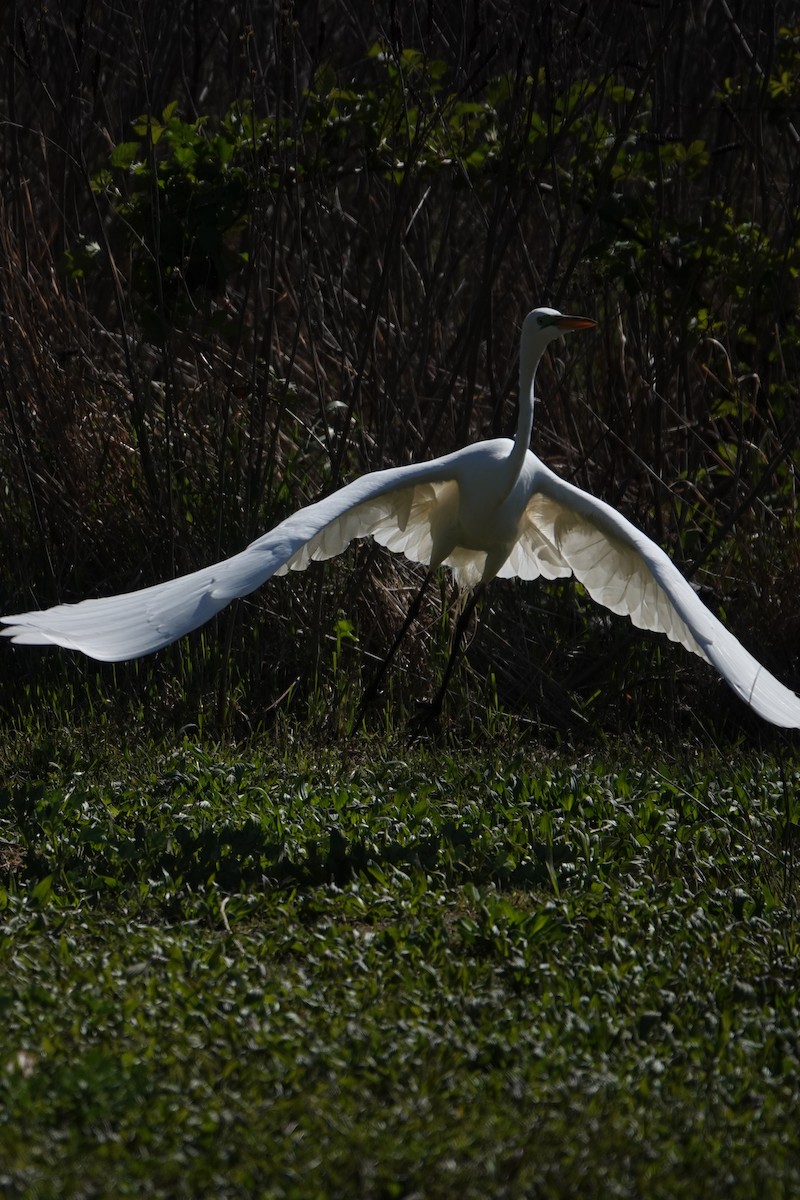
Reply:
x=491, y=509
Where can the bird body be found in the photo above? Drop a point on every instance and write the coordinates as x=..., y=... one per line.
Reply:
x=490, y=509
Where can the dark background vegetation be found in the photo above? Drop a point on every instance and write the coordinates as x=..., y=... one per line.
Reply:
x=248, y=251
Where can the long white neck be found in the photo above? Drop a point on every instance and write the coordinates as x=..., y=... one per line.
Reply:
x=530, y=355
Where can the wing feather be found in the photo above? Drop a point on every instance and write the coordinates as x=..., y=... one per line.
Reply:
x=565, y=531
x=398, y=507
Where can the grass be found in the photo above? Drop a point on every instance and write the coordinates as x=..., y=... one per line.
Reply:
x=393, y=971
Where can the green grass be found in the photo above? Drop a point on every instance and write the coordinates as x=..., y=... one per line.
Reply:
x=384, y=971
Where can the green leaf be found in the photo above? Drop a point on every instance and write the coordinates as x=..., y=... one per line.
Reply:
x=41, y=892
x=123, y=154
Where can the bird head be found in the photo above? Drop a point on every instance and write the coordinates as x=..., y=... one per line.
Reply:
x=545, y=324
x=540, y=327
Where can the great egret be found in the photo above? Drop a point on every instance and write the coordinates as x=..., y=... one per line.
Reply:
x=491, y=509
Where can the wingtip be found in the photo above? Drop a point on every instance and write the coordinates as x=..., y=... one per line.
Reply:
x=19, y=634
x=28, y=635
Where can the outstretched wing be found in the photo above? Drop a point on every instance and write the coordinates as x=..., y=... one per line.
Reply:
x=566, y=532
x=396, y=506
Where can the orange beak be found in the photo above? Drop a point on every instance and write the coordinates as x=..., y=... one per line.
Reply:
x=567, y=324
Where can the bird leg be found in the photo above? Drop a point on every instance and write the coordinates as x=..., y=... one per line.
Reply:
x=371, y=692
x=430, y=710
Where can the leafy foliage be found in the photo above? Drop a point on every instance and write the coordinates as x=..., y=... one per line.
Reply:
x=235, y=973
x=186, y=194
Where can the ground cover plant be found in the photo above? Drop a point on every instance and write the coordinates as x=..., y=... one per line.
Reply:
x=250, y=944
x=398, y=972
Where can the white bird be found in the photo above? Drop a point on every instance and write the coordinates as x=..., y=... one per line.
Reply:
x=490, y=509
